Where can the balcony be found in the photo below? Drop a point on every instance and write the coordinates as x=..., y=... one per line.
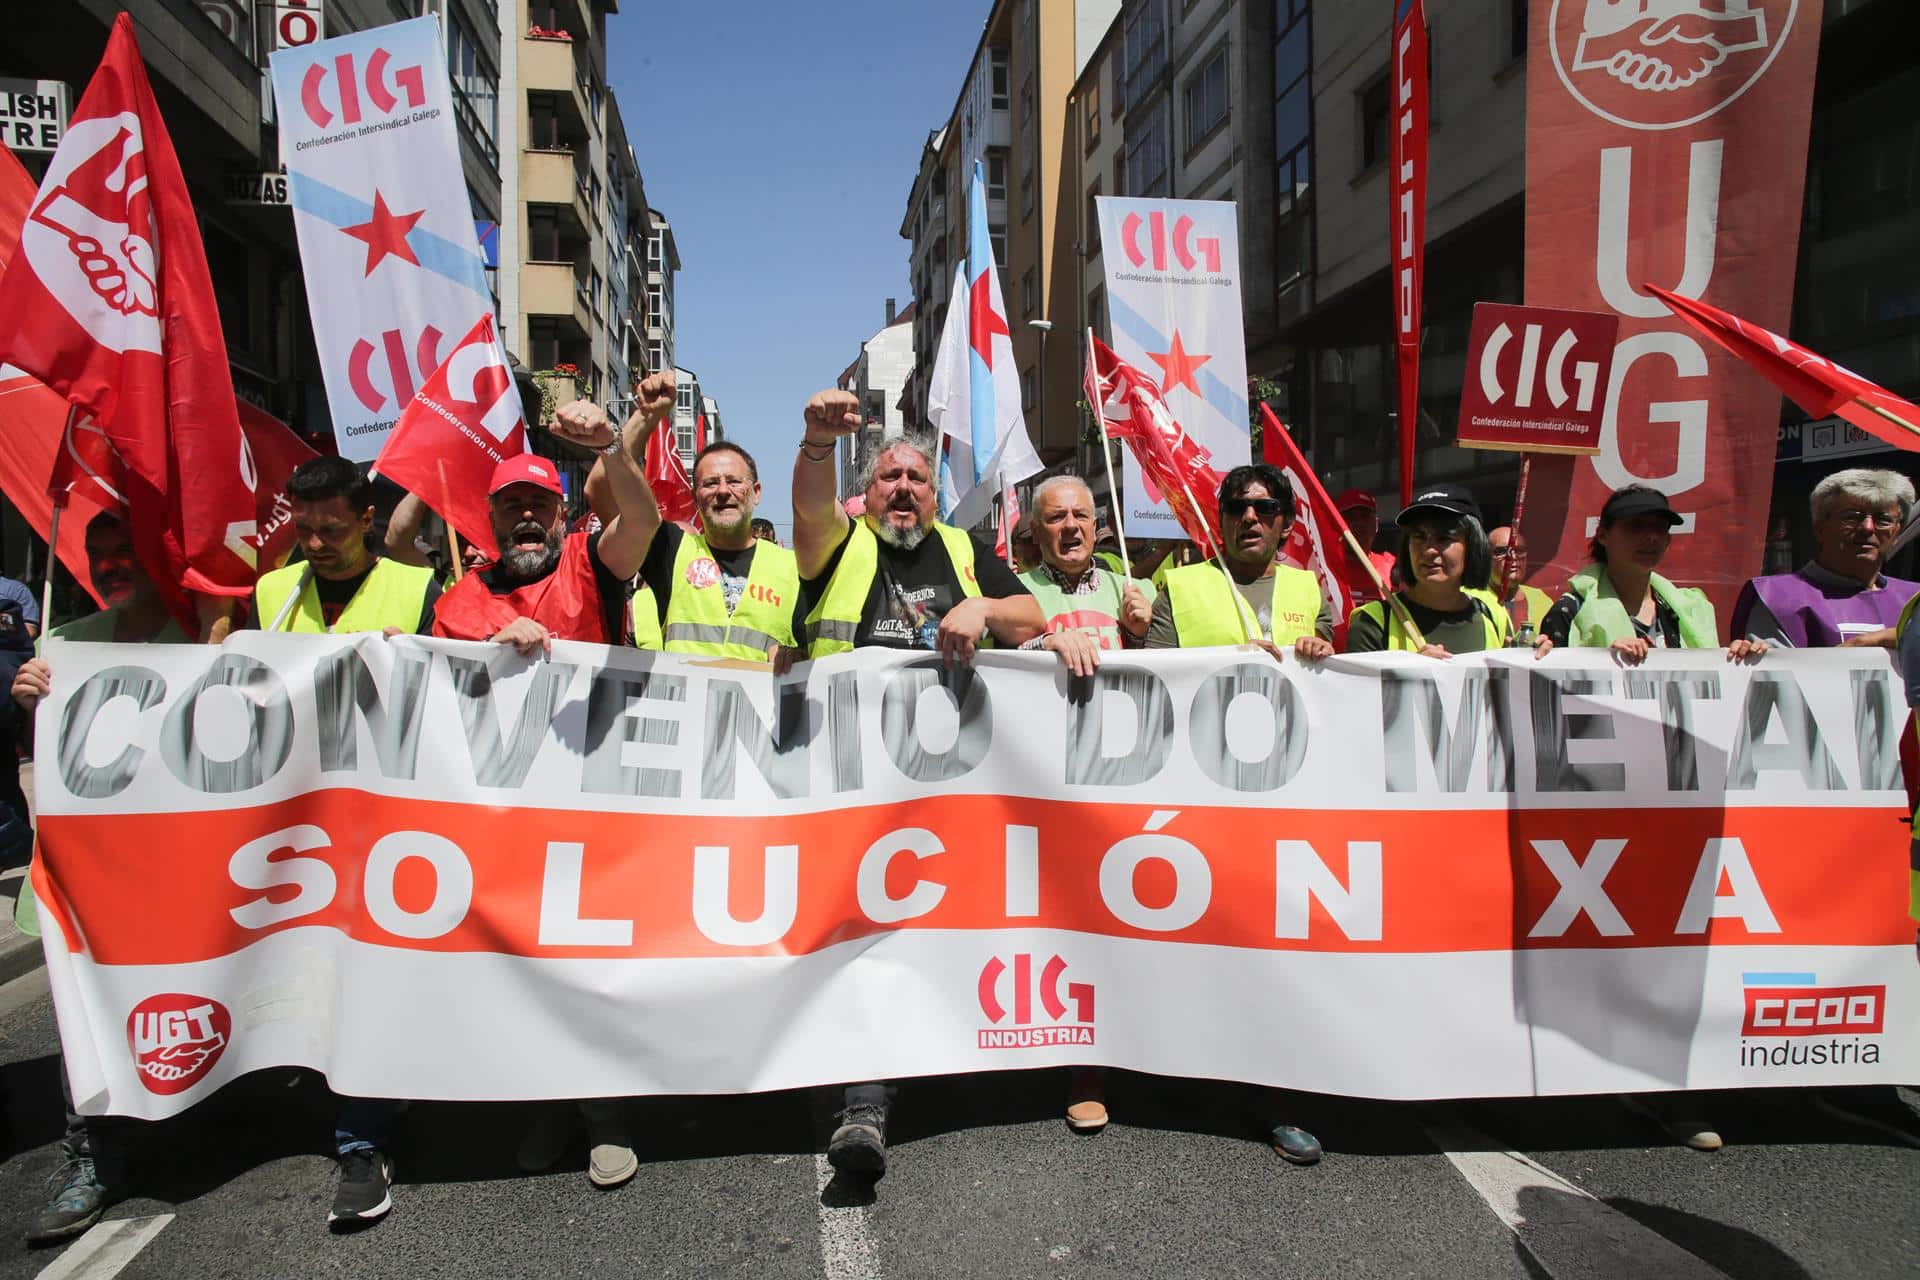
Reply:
x=551, y=289
x=549, y=177
x=549, y=66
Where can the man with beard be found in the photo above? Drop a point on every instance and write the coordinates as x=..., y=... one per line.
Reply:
x=548, y=584
x=722, y=591
x=342, y=586
x=93, y=1168
x=896, y=578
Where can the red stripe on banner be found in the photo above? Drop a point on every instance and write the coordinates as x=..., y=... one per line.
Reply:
x=535, y=882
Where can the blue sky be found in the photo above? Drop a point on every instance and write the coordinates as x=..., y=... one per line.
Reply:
x=780, y=140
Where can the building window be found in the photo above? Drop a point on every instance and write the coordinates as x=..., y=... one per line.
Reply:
x=543, y=123
x=1027, y=381
x=1000, y=79
x=1093, y=113
x=1375, y=123
x=543, y=234
x=1117, y=85
x=997, y=174
x=1026, y=293
x=1120, y=173
x=997, y=238
x=1145, y=46
x=476, y=87
x=1147, y=160
x=1293, y=218
x=1092, y=239
x=1097, y=314
x=543, y=341
x=1205, y=99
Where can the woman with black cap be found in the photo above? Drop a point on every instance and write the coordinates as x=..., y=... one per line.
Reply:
x=1618, y=602
x=1442, y=549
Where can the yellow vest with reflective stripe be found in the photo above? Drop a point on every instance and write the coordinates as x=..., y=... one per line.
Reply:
x=391, y=595
x=697, y=620
x=835, y=620
x=1493, y=617
x=646, y=620
x=1205, y=603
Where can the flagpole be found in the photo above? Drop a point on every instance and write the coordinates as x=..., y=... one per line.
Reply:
x=53, y=537
x=300, y=589
x=1113, y=489
x=1894, y=418
x=453, y=546
x=1006, y=520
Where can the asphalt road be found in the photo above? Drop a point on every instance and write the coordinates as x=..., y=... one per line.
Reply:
x=986, y=1181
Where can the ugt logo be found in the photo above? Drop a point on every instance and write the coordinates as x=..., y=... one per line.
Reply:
x=1658, y=64
x=176, y=1039
x=1022, y=1034
x=1183, y=243
x=91, y=237
x=380, y=91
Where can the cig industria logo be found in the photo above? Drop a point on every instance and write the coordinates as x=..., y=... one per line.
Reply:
x=1661, y=64
x=1012, y=1020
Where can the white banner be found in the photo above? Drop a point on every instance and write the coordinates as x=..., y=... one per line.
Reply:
x=1382, y=876
x=393, y=268
x=1173, y=299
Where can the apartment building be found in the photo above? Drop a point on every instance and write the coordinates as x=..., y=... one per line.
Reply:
x=628, y=234
x=689, y=416
x=662, y=265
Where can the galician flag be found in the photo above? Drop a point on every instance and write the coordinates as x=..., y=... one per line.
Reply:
x=974, y=396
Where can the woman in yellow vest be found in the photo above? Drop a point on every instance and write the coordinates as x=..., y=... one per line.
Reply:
x=1442, y=558
x=1618, y=602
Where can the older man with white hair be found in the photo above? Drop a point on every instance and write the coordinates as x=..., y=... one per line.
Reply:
x=1842, y=595
x=1076, y=592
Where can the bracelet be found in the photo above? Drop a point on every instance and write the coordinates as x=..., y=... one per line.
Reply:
x=806, y=451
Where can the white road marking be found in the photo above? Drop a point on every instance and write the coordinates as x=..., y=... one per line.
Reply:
x=1569, y=1232
x=105, y=1251
x=847, y=1246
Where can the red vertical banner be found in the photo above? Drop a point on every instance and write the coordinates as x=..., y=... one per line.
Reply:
x=1667, y=145
x=1407, y=160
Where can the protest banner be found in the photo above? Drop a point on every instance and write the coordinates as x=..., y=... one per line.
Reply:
x=1407, y=193
x=387, y=243
x=1173, y=298
x=437, y=870
x=1667, y=145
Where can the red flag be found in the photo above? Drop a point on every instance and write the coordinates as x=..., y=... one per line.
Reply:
x=275, y=451
x=1407, y=184
x=666, y=477
x=1172, y=460
x=1318, y=537
x=108, y=302
x=462, y=423
x=1821, y=387
x=699, y=433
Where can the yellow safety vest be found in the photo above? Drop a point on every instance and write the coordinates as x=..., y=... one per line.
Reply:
x=697, y=620
x=835, y=620
x=1492, y=616
x=646, y=620
x=1205, y=605
x=391, y=595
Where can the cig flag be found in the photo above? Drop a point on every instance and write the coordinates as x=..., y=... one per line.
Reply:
x=974, y=394
x=1178, y=472
x=387, y=242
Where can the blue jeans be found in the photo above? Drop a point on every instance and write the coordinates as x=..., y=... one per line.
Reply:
x=365, y=1124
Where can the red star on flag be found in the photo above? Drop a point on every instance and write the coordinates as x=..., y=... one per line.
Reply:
x=1177, y=367
x=983, y=320
x=385, y=233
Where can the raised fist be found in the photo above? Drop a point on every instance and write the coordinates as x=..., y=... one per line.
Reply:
x=584, y=423
x=832, y=413
x=654, y=396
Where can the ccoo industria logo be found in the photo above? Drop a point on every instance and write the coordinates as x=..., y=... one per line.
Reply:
x=176, y=1039
x=1661, y=64
x=1021, y=1029
x=1793, y=1021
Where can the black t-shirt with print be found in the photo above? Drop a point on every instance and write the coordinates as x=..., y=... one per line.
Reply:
x=912, y=590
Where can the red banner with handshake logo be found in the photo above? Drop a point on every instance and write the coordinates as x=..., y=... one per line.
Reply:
x=1667, y=145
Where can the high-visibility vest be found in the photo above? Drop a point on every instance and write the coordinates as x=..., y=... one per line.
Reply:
x=1536, y=604
x=567, y=601
x=1602, y=619
x=835, y=620
x=1096, y=612
x=697, y=620
x=1499, y=627
x=391, y=595
x=646, y=620
x=1208, y=610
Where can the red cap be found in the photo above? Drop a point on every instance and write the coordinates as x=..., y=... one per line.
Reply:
x=1355, y=498
x=528, y=468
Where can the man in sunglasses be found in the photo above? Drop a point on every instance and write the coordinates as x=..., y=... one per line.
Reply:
x=1526, y=606
x=1257, y=599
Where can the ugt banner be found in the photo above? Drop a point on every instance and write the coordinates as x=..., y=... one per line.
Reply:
x=1667, y=145
x=387, y=244
x=1173, y=296
x=1383, y=876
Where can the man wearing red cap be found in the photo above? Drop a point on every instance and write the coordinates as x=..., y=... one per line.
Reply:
x=548, y=584
x=1362, y=515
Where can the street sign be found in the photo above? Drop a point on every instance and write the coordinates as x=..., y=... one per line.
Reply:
x=246, y=187
x=33, y=114
x=1536, y=379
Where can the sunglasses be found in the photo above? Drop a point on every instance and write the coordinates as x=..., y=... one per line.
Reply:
x=1265, y=508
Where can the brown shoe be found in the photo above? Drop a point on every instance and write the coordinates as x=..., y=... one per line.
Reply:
x=1087, y=1101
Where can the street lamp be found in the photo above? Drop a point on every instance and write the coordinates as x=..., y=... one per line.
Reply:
x=1044, y=327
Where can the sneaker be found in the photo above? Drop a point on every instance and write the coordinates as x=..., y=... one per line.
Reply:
x=610, y=1158
x=1295, y=1145
x=859, y=1145
x=545, y=1141
x=1087, y=1102
x=366, y=1177
x=75, y=1200
x=1688, y=1132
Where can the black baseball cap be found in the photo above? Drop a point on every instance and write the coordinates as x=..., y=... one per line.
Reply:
x=1625, y=504
x=1441, y=499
